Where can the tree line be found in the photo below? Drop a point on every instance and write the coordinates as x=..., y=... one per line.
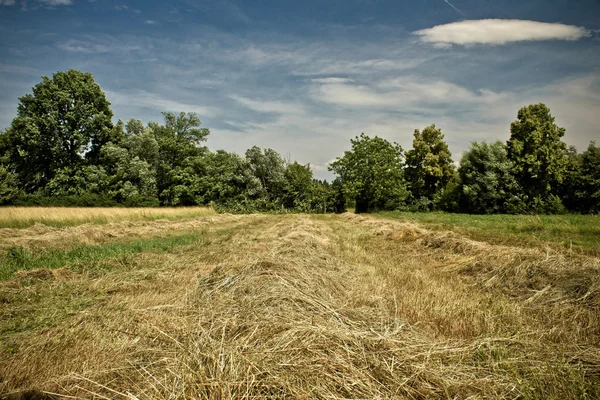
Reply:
x=62, y=148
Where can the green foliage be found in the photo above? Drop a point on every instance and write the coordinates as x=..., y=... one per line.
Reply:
x=226, y=179
x=372, y=174
x=40, y=199
x=581, y=188
x=486, y=180
x=299, y=188
x=141, y=143
x=590, y=179
x=70, y=181
x=9, y=190
x=537, y=152
x=429, y=165
x=269, y=168
x=178, y=140
x=128, y=179
x=64, y=123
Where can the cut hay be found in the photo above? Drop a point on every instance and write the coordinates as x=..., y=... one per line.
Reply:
x=305, y=307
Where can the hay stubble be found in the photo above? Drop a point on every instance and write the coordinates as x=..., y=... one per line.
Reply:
x=317, y=307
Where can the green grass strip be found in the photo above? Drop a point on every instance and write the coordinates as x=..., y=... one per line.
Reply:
x=19, y=258
x=579, y=231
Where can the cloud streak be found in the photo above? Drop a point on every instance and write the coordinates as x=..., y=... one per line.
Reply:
x=330, y=80
x=47, y=3
x=452, y=5
x=498, y=32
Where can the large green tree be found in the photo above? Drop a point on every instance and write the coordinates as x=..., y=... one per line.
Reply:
x=486, y=182
x=371, y=174
x=226, y=179
x=269, y=168
x=62, y=124
x=178, y=142
x=298, y=187
x=429, y=165
x=537, y=151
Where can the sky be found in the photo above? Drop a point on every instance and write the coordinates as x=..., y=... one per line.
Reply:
x=304, y=77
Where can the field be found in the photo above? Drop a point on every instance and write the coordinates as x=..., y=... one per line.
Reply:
x=24, y=217
x=216, y=306
x=574, y=233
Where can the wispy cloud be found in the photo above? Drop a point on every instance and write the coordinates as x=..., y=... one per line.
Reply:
x=96, y=45
x=266, y=106
x=79, y=46
x=57, y=2
x=38, y=3
x=124, y=7
x=406, y=93
x=331, y=80
x=498, y=32
x=156, y=102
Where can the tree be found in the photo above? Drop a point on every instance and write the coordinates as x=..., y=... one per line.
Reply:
x=141, y=143
x=298, y=187
x=130, y=180
x=371, y=174
x=485, y=180
x=429, y=165
x=269, y=168
x=537, y=152
x=591, y=178
x=228, y=182
x=326, y=197
x=178, y=140
x=64, y=123
x=581, y=187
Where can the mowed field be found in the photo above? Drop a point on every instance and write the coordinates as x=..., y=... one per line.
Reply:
x=217, y=306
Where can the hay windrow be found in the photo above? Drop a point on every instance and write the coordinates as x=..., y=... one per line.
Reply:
x=534, y=275
x=45, y=236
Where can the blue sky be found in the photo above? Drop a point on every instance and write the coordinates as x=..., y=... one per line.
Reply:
x=303, y=77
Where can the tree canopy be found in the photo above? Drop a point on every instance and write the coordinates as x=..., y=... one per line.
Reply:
x=63, y=148
x=62, y=124
x=371, y=174
x=429, y=165
x=537, y=151
x=486, y=180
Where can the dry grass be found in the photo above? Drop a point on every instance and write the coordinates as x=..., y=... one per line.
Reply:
x=22, y=217
x=309, y=307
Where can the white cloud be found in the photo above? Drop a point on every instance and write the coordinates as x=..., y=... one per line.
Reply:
x=269, y=106
x=126, y=8
x=97, y=45
x=57, y=2
x=329, y=65
x=37, y=4
x=403, y=93
x=155, y=102
x=78, y=46
x=498, y=32
x=150, y=22
x=331, y=80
